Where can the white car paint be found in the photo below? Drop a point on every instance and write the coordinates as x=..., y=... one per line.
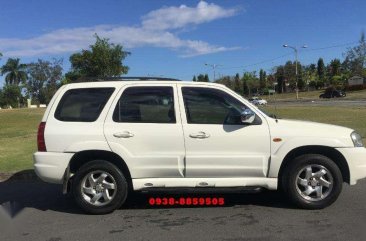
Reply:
x=164, y=155
x=269, y=183
x=240, y=156
x=258, y=101
x=296, y=134
x=155, y=150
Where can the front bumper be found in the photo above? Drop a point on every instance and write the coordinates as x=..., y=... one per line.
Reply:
x=51, y=166
x=356, y=159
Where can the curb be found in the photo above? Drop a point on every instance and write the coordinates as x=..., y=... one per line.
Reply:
x=25, y=175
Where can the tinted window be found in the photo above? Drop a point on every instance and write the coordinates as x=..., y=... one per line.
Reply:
x=211, y=106
x=82, y=105
x=146, y=105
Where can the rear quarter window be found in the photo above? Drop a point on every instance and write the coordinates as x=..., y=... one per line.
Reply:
x=82, y=105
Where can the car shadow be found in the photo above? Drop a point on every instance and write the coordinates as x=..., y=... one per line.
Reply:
x=16, y=195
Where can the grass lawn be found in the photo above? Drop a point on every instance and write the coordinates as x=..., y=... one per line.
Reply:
x=18, y=129
x=314, y=95
x=354, y=117
x=18, y=138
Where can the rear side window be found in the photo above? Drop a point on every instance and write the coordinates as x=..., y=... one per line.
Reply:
x=82, y=105
x=146, y=105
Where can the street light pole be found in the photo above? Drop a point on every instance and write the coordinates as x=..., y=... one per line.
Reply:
x=295, y=49
x=213, y=66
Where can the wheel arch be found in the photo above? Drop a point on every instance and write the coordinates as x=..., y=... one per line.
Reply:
x=82, y=157
x=327, y=151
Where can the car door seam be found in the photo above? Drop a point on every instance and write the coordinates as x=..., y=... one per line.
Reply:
x=178, y=90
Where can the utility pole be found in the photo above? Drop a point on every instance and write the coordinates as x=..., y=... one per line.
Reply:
x=295, y=49
x=213, y=66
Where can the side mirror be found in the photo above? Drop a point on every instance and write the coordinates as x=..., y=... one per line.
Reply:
x=247, y=116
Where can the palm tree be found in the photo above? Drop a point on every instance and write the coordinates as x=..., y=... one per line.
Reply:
x=15, y=72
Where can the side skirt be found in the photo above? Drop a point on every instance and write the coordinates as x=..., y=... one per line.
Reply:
x=201, y=190
x=144, y=184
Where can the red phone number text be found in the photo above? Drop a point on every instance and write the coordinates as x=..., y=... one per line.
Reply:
x=187, y=201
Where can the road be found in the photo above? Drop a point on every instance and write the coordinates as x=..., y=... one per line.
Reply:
x=47, y=215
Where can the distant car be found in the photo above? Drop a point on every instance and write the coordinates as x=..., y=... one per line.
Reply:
x=257, y=101
x=333, y=94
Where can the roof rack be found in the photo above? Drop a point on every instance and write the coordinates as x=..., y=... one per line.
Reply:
x=126, y=78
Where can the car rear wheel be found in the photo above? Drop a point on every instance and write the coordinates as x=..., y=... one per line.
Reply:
x=312, y=181
x=99, y=187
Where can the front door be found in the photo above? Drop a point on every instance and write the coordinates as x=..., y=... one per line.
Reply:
x=218, y=144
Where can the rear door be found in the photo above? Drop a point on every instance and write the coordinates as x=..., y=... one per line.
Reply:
x=144, y=127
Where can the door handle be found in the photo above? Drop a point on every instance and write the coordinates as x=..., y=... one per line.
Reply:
x=125, y=134
x=200, y=135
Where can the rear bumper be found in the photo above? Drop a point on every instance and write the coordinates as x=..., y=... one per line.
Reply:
x=51, y=166
x=356, y=159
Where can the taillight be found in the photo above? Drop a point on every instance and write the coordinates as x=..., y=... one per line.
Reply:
x=40, y=137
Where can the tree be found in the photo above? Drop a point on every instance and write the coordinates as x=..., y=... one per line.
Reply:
x=262, y=79
x=245, y=87
x=226, y=80
x=2, y=100
x=321, y=70
x=44, y=79
x=312, y=68
x=289, y=74
x=335, y=67
x=201, y=78
x=281, y=81
x=249, y=83
x=335, y=75
x=206, y=79
x=237, y=83
x=103, y=60
x=15, y=72
x=311, y=77
x=10, y=95
x=271, y=79
x=355, y=58
x=300, y=76
x=194, y=78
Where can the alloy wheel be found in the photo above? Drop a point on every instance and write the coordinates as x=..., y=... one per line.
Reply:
x=314, y=182
x=98, y=188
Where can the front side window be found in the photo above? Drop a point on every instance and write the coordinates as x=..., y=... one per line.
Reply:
x=148, y=104
x=211, y=106
x=82, y=105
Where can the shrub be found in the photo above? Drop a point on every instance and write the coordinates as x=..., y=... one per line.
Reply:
x=10, y=96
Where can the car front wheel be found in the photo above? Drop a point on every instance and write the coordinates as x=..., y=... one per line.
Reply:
x=99, y=187
x=312, y=181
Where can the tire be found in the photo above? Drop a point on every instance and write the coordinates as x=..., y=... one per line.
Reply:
x=99, y=187
x=325, y=181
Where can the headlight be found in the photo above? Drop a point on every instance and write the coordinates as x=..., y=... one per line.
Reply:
x=357, y=139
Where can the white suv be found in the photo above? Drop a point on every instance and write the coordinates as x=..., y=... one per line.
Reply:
x=102, y=140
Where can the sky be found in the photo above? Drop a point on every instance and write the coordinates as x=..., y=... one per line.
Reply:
x=178, y=38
